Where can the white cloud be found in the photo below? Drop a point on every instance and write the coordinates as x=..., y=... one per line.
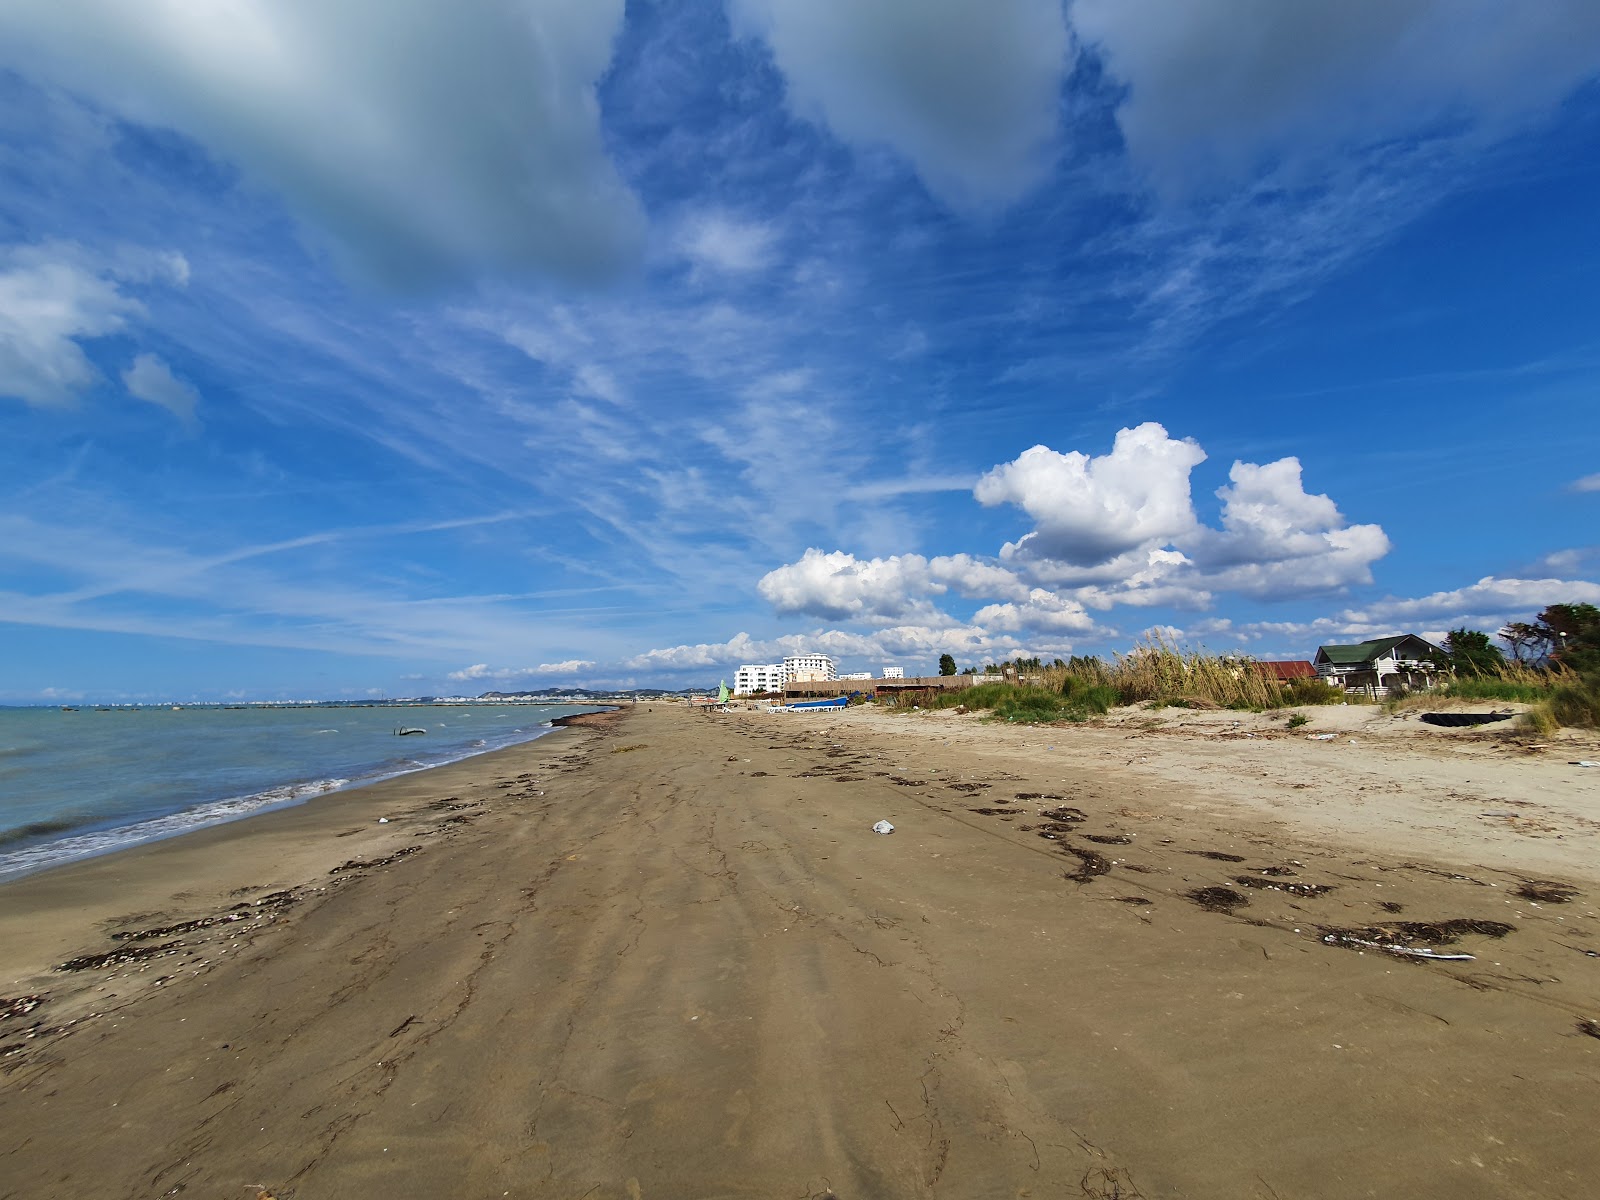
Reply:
x=1490, y=599
x=1278, y=540
x=1216, y=85
x=968, y=92
x=1120, y=528
x=429, y=140
x=1042, y=611
x=973, y=577
x=570, y=667
x=719, y=242
x=839, y=586
x=480, y=672
x=1589, y=483
x=49, y=302
x=152, y=380
x=1090, y=510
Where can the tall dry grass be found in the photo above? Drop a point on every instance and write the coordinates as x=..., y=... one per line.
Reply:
x=1158, y=672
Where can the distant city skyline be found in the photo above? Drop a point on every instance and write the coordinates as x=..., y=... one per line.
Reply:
x=537, y=344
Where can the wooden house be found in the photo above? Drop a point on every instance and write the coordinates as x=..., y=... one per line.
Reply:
x=1375, y=667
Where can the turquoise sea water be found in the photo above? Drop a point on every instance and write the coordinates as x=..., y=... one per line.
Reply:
x=74, y=784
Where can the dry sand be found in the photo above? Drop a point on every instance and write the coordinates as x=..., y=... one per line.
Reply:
x=665, y=956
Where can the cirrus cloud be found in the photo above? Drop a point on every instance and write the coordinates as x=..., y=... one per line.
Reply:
x=428, y=142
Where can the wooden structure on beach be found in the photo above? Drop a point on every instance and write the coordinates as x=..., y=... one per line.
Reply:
x=894, y=691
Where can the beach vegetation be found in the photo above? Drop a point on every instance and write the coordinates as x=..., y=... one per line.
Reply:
x=1298, y=719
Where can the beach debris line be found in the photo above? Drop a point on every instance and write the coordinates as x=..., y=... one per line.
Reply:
x=1592, y=1028
x=357, y=864
x=1400, y=938
x=115, y=958
x=1309, y=890
x=1218, y=899
x=19, y=1006
x=882, y=827
x=1217, y=855
x=1545, y=891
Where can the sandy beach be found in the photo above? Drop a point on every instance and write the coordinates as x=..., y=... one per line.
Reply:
x=663, y=954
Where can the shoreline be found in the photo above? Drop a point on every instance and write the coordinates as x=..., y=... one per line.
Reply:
x=224, y=810
x=664, y=954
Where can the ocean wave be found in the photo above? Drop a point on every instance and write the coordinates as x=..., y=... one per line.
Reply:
x=103, y=841
x=36, y=829
x=94, y=842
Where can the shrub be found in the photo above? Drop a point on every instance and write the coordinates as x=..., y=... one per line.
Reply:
x=1298, y=719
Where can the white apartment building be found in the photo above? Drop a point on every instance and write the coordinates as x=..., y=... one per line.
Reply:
x=751, y=679
x=894, y=672
x=808, y=668
x=855, y=675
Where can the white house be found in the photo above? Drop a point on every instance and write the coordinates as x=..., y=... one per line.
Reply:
x=894, y=672
x=753, y=679
x=808, y=668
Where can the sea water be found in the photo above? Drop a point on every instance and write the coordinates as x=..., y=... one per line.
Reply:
x=87, y=781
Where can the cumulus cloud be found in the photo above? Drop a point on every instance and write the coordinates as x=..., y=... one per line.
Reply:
x=967, y=92
x=1090, y=510
x=1589, y=483
x=426, y=140
x=1277, y=539
x=839, y=586
x=1041, y=611
x=48, y=304
x=1120, y=528
x=1218, y=84
x=150, y=379
x=570, y=667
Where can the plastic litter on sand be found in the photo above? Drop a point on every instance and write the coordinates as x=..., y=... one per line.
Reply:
x=883, y=827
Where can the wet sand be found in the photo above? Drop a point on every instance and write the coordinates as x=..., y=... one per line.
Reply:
x=665, y=956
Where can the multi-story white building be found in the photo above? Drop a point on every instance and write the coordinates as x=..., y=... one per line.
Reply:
x=753, y=679
x=894, y=672
x=808, y=668
x=855, y=675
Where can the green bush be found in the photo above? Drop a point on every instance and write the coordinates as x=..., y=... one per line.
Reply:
x=1490, y=688
x=1576, y=705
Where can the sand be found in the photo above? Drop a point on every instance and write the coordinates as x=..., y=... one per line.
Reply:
x=666, y=956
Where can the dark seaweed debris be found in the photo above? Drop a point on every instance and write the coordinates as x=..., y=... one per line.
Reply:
x=1037, y=796
x=1218, y=855
x=996, y=812
x=1090, y=864
x=1064, y=813
x=1543, y=891
x=1309, y=890
x=19, y=1006
x=1218, y=899
x=1131, y=900
x=1109, y=839
x=114, y=958
x=356, y=864
x=968, y=787
x=1409, y=933
x=1592, y=1028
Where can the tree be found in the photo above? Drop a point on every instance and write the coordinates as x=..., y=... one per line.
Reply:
x=1555, y=634
x=947, y=664
x=1470, y=652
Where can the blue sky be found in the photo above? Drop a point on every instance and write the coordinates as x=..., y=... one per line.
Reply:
x=401, y=348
